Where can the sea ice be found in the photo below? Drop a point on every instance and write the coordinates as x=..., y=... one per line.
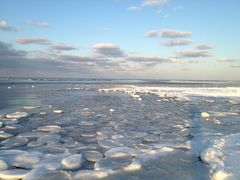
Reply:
x=3, y=165
x=36, y=173
x=4, y=135
x=58, y=111
x=120, y=152
x=13, y=174
x=108, y=143
x=49, y=128
x=42, y=113
x=11, y=152
x=17, y=115
x=205, y=115
x=92, y=156
x=151, y=138
x=72, y=162
x=30, y=107
x=116, y=165
x=49, y=138
x=54, y=175
x=26, y=161
x=14, y=142
x=90, y=175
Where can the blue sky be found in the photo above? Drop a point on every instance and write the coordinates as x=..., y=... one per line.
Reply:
x=160, y=39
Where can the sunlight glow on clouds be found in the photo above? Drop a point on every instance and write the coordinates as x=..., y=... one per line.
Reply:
x=108, y=49
x=34, y=40
x=62, y=47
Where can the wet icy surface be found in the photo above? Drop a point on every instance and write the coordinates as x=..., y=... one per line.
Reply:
x=107, y=131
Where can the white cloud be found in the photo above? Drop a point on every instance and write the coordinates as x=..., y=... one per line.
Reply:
x=6, y=27
x=78, y=58
x=194, y=53
x=152, y=59
x=235, y=66
x=38, y=23
x=34, y=40
x=154, y=2
x=152, y=33
x=177, y=8
x=134, y=8
x=177, y=42
x=204, y=46
x=148, y=3
x=170, y=33
x=62, y=47
x=108, y=49
x=105, y=29
x=226, y=59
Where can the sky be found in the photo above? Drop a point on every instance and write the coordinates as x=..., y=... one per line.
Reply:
x=134, y=39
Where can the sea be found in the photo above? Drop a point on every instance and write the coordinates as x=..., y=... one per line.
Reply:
x=115, y=129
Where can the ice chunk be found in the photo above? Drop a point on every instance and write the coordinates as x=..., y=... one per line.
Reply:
x=58, y=111
x=17, y=115
x=111, y=110
x=223, y=156
x=72, y=162
x=30, y=107
x=220, y=175
x=108, y=143
x=121, y=152
x=27, y=160
x=49, y=138
x=54, y=175
x=151, y=138
x=90, y=175
x=92, y=156
x=35, y=173
x=49, y=128
x=3, y=165
x=14, y=142
x=43, y=113
x=13, y=174
x=205, y=115
x=115, y=165
x=4, y=135
x=11, y=152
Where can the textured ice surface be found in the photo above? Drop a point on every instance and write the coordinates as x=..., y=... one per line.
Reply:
x=13, y=174
x=17, y=115
x=72, y=162
x=92, y=156
x=121, y=132
x=223, y=157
